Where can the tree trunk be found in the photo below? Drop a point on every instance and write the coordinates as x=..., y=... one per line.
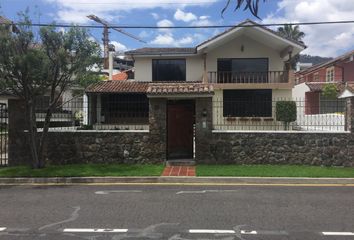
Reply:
x=43, y=139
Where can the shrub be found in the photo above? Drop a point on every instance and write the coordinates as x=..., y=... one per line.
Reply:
x=330, y=91
x=286, y=112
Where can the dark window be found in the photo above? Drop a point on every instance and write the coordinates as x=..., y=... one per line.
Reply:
x=239, y=70
x=247, y=103
x=125, y=108
x=168, y=70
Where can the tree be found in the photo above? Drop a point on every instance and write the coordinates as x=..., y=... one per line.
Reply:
x=32, y=69
x=285, y=112
x=292, y=32
x=251, y=5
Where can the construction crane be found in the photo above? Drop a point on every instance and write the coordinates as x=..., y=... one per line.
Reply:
x=105, y=39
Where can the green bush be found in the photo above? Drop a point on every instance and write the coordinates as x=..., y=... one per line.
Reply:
x=285, y=112
x=330, y=91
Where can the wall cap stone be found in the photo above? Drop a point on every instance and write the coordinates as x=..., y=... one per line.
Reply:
x=282, y=132
x=96, y=131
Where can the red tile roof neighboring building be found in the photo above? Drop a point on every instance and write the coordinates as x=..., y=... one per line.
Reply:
x=118, y=87
x=120, y=76
x=318, y=86
x=173, y=88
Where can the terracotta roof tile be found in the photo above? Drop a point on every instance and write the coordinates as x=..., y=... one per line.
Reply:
x=118, y=87
x=179, y=88
x=120, y=76
x=318, y=86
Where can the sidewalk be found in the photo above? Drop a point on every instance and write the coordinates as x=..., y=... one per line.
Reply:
x=277, y=181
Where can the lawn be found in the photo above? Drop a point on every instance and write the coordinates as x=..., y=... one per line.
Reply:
x=84, y=170
x=273, y=171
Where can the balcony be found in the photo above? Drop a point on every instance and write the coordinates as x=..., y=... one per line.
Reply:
x=270, y=77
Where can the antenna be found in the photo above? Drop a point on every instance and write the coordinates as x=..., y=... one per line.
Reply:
x=105, y=39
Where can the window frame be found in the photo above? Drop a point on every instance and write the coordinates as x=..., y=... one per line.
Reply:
x=245, y=109
x=155, y=75
x=330, y=74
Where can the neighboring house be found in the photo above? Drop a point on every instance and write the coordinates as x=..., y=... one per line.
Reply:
x=311, y=81
x=240, y=71
x=8, y=24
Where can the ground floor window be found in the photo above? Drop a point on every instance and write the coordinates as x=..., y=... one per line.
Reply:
x=247, y=103
x=124, y=108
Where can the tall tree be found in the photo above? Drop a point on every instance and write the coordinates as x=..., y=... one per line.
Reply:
x=32, y=69
x=292, y=32
x=251, y=5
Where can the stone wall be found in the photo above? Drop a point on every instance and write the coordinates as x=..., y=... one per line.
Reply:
x=328, y=149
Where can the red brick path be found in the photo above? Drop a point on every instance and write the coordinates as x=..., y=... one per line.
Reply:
x=180, y=171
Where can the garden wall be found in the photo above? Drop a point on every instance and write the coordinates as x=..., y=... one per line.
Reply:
x=328, y=149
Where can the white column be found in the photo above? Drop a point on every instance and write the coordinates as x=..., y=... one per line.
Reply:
x=85, y=109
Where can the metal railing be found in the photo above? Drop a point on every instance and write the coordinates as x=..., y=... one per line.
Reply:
x=261, y=116
x=92, y=114
x=222, y=77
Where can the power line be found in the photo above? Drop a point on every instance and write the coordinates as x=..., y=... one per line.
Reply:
x=175, y=27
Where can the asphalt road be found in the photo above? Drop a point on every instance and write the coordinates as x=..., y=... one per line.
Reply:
x=176, y=212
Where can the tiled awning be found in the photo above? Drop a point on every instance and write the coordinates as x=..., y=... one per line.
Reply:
x=118, y=87
x=317, y=87
x=179, y=88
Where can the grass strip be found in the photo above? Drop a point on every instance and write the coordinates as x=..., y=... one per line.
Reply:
x=274, y=171
x=84, y=170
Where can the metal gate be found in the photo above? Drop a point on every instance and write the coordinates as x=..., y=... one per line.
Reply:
x=3, y=135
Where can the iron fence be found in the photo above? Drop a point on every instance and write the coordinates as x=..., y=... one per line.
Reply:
x=325, y=115
x=3, y=135
x=97, y=112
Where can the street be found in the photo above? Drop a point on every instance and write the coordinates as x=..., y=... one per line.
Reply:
x=176, y=212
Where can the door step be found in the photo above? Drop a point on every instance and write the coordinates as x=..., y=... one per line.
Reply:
x=180, y=162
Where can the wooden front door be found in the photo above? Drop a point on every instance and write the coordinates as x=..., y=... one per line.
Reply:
x=180, y=120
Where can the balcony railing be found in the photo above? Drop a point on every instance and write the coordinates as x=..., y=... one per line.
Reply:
x=249, y=77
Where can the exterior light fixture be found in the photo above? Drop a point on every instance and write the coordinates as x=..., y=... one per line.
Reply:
x=242, y=48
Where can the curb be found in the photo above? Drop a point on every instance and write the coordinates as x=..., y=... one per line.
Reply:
x=180, y=180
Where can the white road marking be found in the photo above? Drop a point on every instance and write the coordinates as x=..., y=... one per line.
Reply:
x=95, y=230
x=338, y=233
x=211, y=231
x=206, y=191
x=117, y=191
x=248, y=232
x=2, y=229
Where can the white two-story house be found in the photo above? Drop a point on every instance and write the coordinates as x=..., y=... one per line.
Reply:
x=244, y=70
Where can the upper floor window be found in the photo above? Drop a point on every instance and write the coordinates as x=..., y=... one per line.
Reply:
x=168, y=70
x=330, y=74
x=316, y=77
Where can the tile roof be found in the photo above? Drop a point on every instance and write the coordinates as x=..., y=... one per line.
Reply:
x=179, y=88
x=158, y=51
x=320, y=65
x=255, y=24
x=318, y=86
x=118, y=87
x=120, y=76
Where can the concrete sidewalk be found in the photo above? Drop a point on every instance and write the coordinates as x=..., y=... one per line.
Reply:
x=180, y=180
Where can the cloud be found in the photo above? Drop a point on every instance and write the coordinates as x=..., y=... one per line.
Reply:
x=165, y=23
x=322, y=40
x=184, y=16
x=75, y=11
x=168, y=39
x=155, y=16
x=119, y=47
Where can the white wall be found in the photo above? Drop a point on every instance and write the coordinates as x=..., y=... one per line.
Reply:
x=252, y=49
x=143, y=67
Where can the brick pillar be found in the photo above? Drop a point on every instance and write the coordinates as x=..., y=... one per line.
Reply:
x=349, y=117
x=157, y=126
x=19, y=152
x=203, y=128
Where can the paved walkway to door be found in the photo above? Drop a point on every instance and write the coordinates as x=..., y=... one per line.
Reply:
x=179, y=171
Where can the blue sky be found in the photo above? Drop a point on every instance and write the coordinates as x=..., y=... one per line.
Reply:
x=321, y=40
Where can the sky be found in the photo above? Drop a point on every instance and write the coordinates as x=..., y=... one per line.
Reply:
x=324, y=40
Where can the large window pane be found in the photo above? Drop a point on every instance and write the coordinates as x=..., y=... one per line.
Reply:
x=247, y=103
x=169, y=70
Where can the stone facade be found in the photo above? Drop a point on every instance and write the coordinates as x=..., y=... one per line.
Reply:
x=328, y=149
x=211, y=147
